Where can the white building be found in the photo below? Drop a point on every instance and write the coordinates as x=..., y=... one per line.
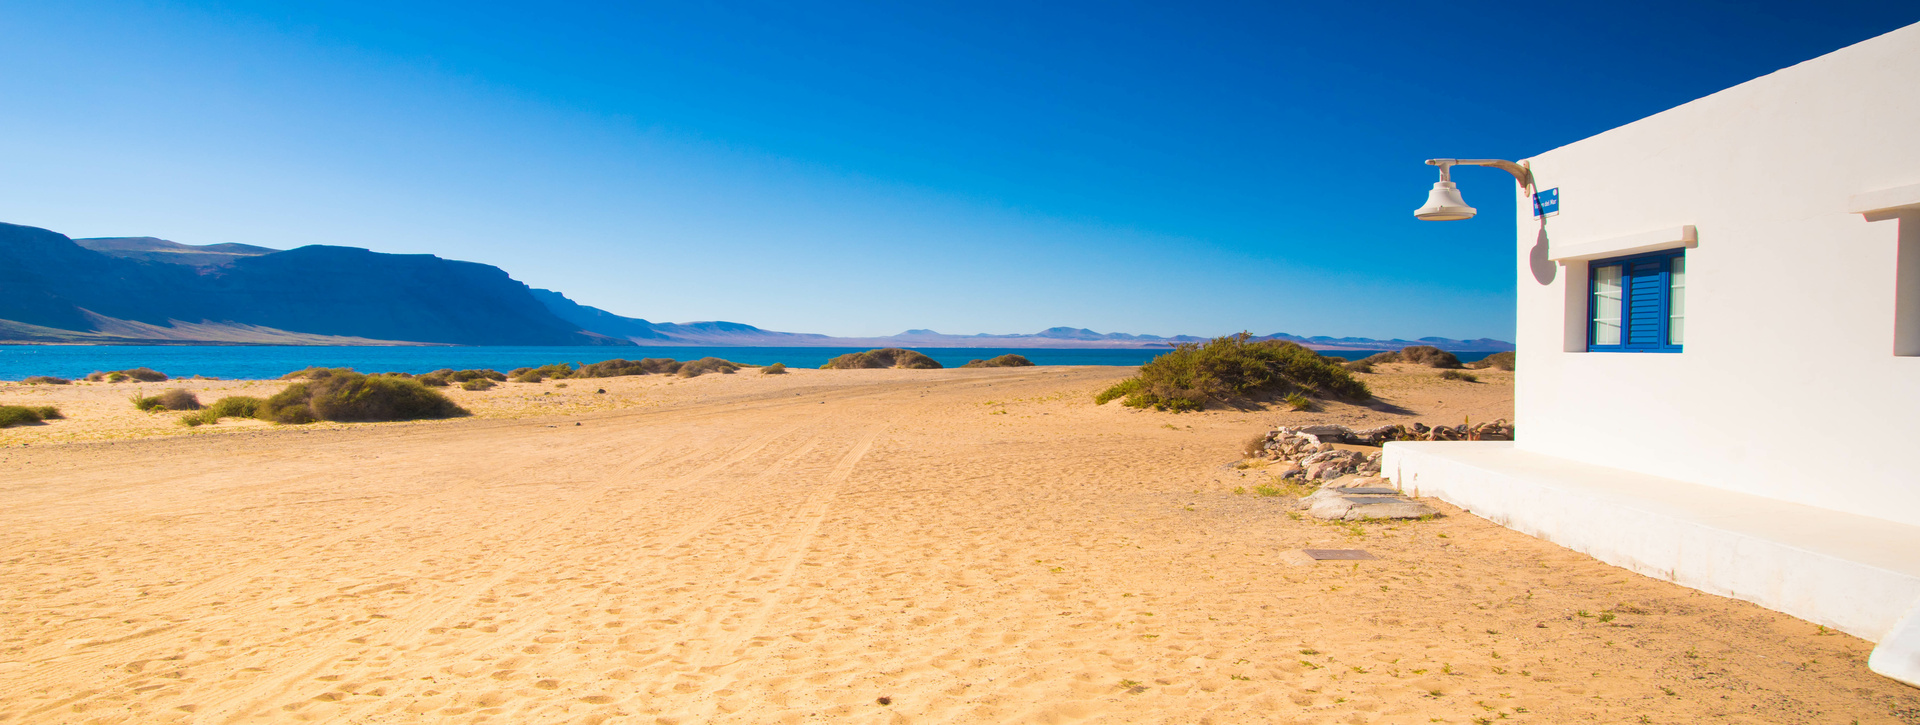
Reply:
x=1719, y=350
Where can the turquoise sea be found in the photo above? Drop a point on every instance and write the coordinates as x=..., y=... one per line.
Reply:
x=251, y=362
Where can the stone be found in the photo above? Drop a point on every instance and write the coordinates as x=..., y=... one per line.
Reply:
x=1396, y=508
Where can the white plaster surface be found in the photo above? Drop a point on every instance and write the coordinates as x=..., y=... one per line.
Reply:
x=1856, y=574
x=1654, y=241
x=1790, y=387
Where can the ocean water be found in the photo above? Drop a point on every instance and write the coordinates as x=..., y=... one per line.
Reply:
x=250, y=362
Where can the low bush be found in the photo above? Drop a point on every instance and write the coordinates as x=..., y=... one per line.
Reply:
x=1429, y=356
x=1004, y=361
x=144, y=375
x=312, y=372
x=175, y=399
x=1457, y=375
x=774, y=369
x=478, y=384
x=446, y=376
x=621, y=368
x=697, y=368
x=352, y=397
x=1228, y=369
x=1297, y=401
x=1497, y=361
x=886, y=357
x=46, y=380
x=12, y=415
x=1363, y=365
x=533, y=375
x=232, y=406
x=179, y=399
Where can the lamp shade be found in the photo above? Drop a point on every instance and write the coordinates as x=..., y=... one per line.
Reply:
x=1444, y=204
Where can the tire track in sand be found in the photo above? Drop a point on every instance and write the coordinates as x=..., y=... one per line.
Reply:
x=784, y=558
x=70, y=668
x=423, y=615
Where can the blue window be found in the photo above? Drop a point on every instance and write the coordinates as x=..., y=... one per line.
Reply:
x=1638, y=303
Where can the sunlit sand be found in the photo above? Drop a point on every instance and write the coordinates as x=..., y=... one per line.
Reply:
x=870, y=546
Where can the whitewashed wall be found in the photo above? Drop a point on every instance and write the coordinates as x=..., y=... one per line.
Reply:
x=1789, y=386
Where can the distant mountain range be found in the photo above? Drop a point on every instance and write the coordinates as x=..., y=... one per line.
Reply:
x=144, y=290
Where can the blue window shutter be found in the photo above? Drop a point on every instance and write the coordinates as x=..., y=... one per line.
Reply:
x=1645, y=300
x=1646, y=303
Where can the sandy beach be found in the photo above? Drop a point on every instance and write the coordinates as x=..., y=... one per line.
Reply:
x=884, y=546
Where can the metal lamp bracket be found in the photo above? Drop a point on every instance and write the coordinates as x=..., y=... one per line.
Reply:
x=1520, y=171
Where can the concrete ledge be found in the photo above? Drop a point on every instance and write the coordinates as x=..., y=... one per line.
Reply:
x=1852, y=573
x=1654, y=241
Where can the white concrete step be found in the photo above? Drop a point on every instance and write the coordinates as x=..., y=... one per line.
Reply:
x=1856, y=574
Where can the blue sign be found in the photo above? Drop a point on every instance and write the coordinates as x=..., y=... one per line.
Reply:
x=1546, y=203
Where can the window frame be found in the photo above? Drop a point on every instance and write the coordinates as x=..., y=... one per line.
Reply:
x=1665, y=282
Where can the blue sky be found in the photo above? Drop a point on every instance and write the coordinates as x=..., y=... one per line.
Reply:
x=860, y=169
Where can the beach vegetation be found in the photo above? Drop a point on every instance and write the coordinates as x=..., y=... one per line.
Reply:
x=1460, y=376
x=1298, y=401
x=478, y=384
x=1497, y=361
x=179, y=399
x=352, y=397
x=774, y=369
x=697, y=368
x=1230, y=370
x=232, y=406
x=885, y=357
x=447, y=376
x=46, y=380
x=140, y=374
x=1004, y=361
x=12, y=415
x=1363, y=365
x=621, y=368
x=175, y=399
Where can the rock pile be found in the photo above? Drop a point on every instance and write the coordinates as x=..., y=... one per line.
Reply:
x=1315, y=452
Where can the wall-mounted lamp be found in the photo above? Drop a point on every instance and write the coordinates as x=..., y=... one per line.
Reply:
x=1444, y=203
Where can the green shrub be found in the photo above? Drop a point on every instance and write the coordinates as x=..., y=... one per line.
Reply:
x=352, y=397
x=1457, y=375
x=696, y=368
x=232, y=406
x=1227, y=369
x=46, y=380
x=1429, y=356
x=1297, y=401
x=886, y=357
x=287, y=406
x=311, y=373
x=774, y=369
x=12, y=415
x=1498, y=361
x=144, y=375
x=1363, y=365
x=147, y=404
x=466, y=375
x=1004, y=361
x=179, y=399
x=478, y=384
x=435, y=379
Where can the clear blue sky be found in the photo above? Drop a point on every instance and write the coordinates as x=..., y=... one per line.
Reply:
x=861, y=169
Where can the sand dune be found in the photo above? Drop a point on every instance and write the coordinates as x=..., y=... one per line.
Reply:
x=968, y=545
